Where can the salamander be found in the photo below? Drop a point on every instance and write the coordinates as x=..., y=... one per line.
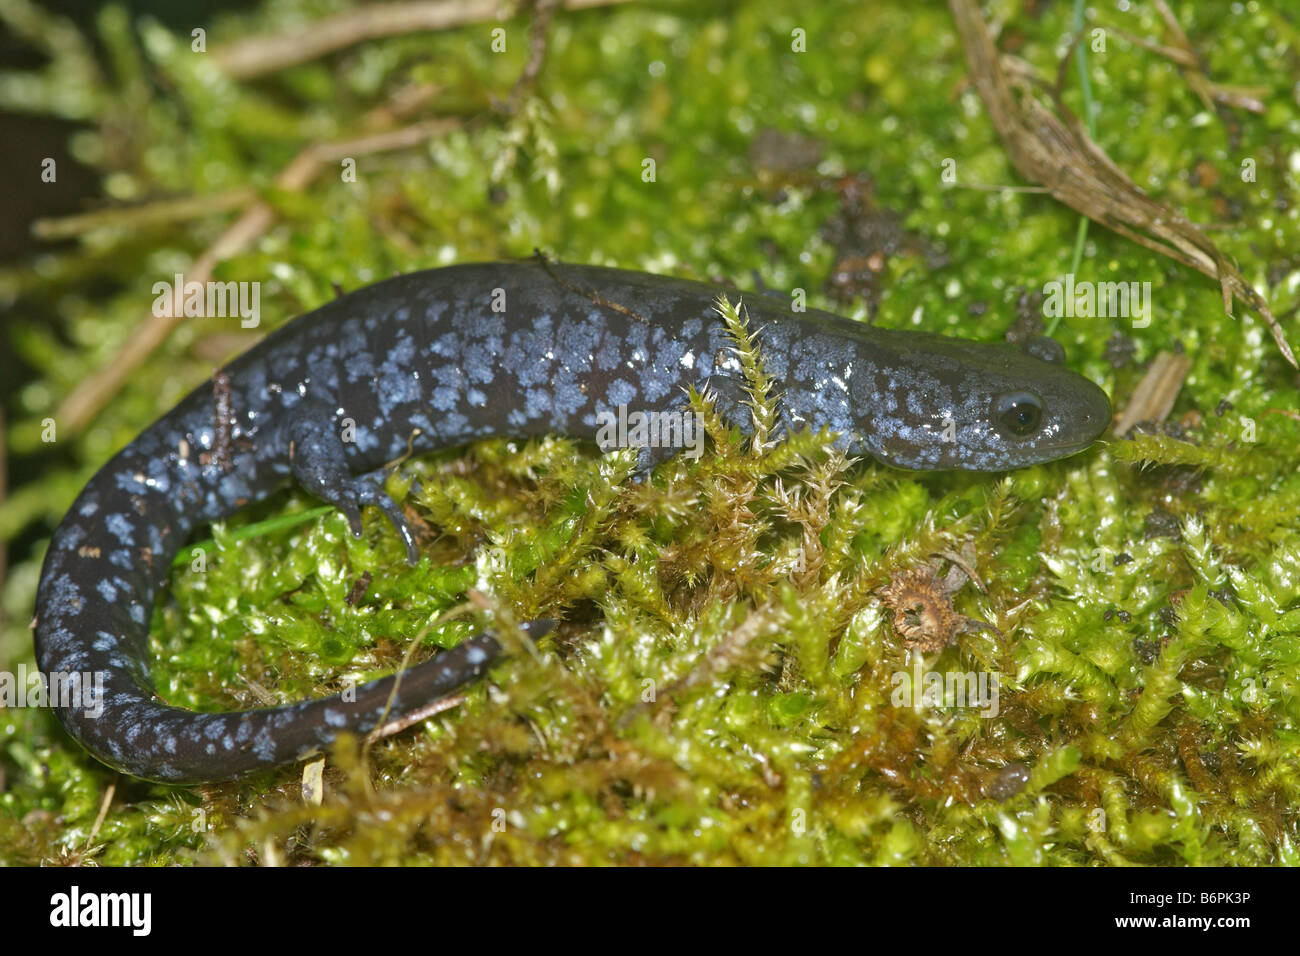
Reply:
x=447, y=356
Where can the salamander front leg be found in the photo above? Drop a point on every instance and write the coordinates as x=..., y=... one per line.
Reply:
x=318, y=462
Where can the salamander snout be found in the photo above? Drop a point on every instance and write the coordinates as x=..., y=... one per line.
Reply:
x=1089, y=408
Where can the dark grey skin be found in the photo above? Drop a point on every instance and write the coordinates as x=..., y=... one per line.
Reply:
x=447, y=356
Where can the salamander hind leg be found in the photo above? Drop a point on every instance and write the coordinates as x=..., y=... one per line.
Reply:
x=319, y=464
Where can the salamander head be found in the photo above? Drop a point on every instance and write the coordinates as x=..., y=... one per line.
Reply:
x=954, y=404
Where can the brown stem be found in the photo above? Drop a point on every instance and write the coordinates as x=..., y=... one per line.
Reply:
x=1052, y=148
x=256, y=56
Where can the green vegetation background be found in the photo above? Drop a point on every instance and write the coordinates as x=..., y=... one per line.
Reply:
x=1152, y=701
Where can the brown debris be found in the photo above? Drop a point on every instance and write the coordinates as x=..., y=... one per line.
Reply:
x=922, y=603
x=539, y=41
x=1193, y=67
x=359, y=588
x=1007, y=782
x=774, y=151
x=865, y=237
x=1155, y=395
x=923, y=612
x=258, y=55
x=1051, y=147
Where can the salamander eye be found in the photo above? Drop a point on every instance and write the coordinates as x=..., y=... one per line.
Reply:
x=1017, y=414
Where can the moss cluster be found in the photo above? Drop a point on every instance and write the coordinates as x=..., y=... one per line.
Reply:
x=724, y=682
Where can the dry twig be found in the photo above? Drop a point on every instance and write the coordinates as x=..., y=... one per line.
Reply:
x=259, y=55
x=539, y=37
x=1154, y=397
x=1053, y=148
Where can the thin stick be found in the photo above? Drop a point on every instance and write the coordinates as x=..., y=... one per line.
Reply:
x=403, y=103
x=416, y=716
x=994, y=188
x=103, y=812
x=1085, y=87
x=538, y=40
x=1155, y=395
x=1194, y=71
x=256, y=56
x=142, y=214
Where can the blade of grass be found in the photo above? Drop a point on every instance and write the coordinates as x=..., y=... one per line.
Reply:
x=1085, y=87
x=257, y=529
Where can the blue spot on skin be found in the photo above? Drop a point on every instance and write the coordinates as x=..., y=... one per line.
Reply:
x=568, y=398
x=64, y=594
x=477, y=363
x=445, y=345
x=445, y=398
x=264, y=745
x=120, y=527
x=72, y=540
x=537, y=403
x=620, y=392
x=453, y=424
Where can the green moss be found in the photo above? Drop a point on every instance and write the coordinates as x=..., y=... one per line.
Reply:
x=722, y=686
